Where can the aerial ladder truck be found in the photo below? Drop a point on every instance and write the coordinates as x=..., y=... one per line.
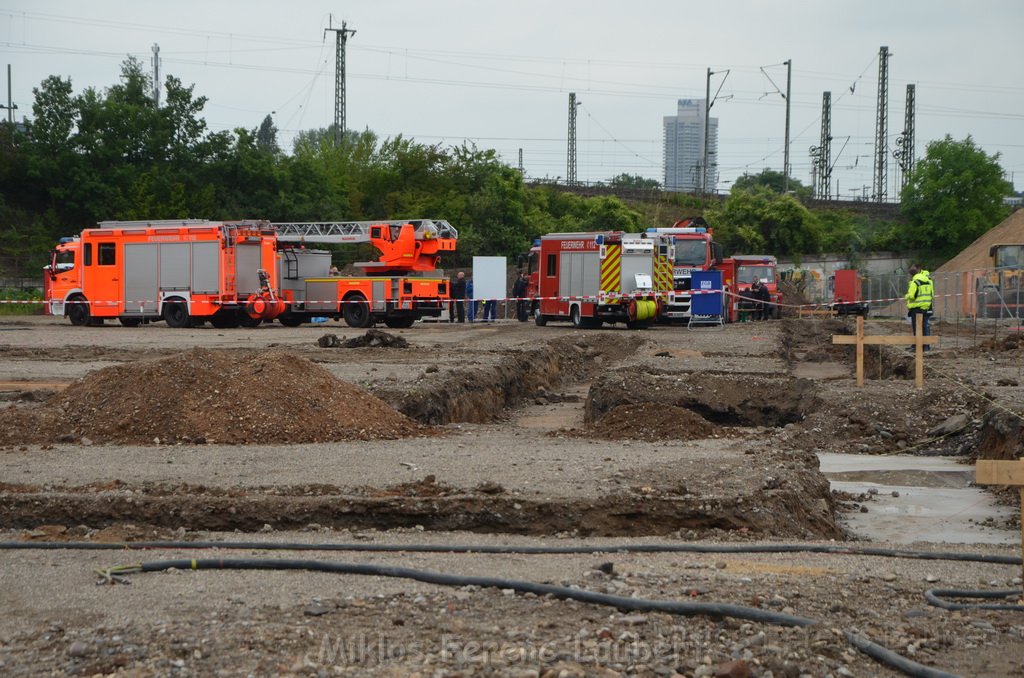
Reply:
x=400, y=287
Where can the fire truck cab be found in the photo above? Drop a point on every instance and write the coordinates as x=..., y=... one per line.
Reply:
x=695, y=250
x=751, y=267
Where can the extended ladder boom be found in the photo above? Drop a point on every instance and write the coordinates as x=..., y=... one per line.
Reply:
x=360, y=231
x=408, y=246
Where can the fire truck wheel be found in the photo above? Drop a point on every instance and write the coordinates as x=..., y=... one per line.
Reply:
x=78, y=311
x=575, y=317
x=289, y=320
x=245, y=320
x=176, y=314
x=356, y=311
x=399, y=323
x=536, y=314
x=225, y=319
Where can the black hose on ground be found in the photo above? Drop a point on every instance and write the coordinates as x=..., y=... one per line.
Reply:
x=896, y=661
x=935, y=597
x=876, y=652
x=714, y=610
x=521, y=550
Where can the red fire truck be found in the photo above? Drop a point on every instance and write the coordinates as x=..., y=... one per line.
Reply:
x=750, y=267
x=695, y=250
x=598, y=277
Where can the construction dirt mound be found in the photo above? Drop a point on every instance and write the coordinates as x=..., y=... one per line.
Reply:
x=209, y=396
x=652, y=422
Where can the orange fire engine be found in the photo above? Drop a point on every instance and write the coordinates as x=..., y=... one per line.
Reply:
x=181, y=272
x=401, y=286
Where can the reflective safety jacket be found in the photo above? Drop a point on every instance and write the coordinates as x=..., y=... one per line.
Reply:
x=920, y=292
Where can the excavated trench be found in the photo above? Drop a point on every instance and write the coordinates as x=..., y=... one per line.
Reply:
x=461, y=510
x=725, y=399
x=483, y=394
x=792, y=500
x=809, y=343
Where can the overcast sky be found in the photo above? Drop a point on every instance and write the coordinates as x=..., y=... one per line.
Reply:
x=499, y=74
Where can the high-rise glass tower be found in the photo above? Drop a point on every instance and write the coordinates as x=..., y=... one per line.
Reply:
x=684, y=148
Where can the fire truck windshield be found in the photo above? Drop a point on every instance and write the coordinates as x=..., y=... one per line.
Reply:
x=64, y=260
x=747, y=274
x=691, y=252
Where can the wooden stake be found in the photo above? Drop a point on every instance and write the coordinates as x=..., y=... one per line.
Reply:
x=990, y=472
x=860, y=339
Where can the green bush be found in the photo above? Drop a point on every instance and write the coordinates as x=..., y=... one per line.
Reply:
x=13, y=294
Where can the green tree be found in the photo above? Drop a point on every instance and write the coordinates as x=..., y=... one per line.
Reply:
x=776, y=181
x=633, y=181
x=266, y=137
x=954, y=195
x=606, y=213
x=760, y=221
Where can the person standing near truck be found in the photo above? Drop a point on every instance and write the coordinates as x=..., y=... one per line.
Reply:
x=519, y=294
x=458, y=295
x=920, y=292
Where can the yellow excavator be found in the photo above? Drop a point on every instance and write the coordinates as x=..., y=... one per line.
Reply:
x=999, y=290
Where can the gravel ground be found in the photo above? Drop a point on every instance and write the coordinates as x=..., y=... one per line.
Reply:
x=530, y=448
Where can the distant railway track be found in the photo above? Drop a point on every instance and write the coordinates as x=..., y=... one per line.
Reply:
x=884, y=210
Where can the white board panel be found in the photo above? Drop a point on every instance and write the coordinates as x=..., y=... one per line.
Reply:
x=490, y=276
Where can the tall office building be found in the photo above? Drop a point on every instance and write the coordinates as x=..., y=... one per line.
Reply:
x=684, y=148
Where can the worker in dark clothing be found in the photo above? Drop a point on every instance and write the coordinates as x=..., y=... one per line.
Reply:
x=519, y=293
x=919, y=301
x=760, y=297
x=458, y=296
x=764, y=295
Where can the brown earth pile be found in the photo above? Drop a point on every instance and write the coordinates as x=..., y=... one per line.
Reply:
x=209, y=396
x=652, y=422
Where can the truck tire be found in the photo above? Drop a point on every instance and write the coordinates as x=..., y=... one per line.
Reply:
x=176, y=314
x=78, y=311
x=356, y=311
x=400, y=323
x=225, y=319
x=290, y=320
x=576, y=317
x=539, y=317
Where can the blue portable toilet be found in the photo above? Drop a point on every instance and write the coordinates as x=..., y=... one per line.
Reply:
x=706, y=299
